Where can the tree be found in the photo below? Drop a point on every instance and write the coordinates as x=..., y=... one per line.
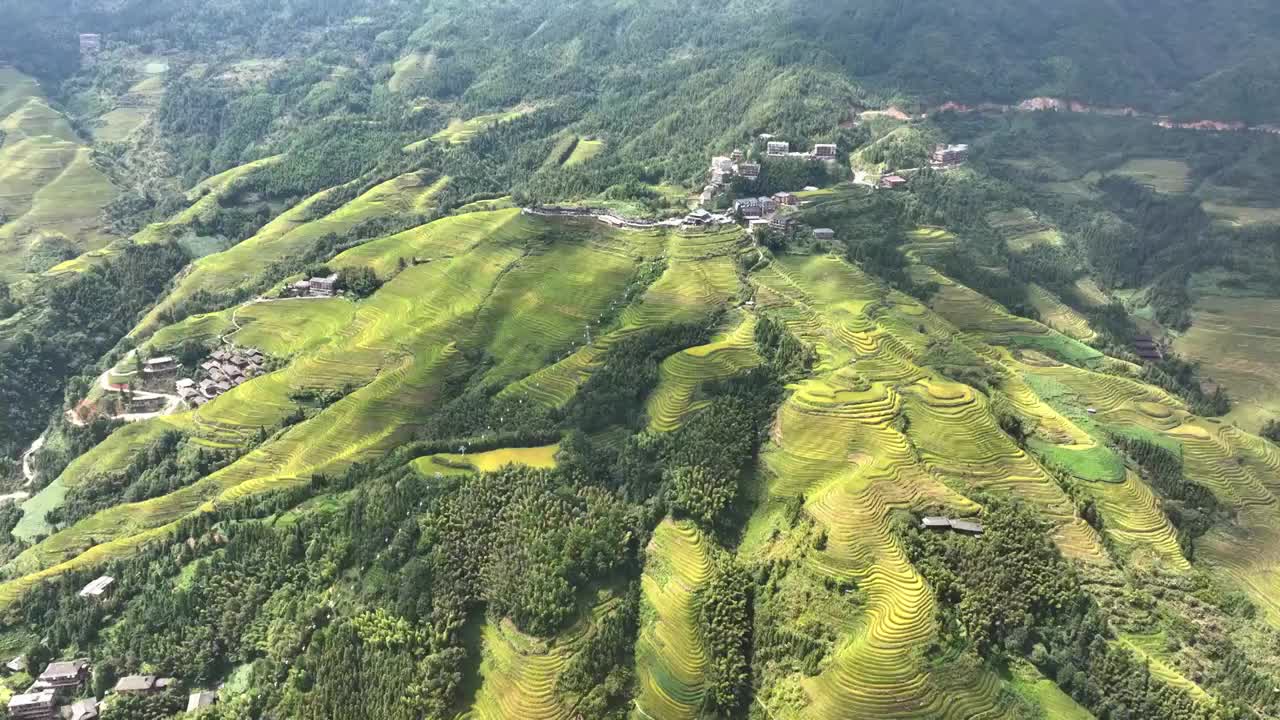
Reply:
x=1271, y=431
x=360, y=281
x=702, y=493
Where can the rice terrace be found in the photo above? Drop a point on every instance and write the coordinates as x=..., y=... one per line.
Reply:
x=617, y=361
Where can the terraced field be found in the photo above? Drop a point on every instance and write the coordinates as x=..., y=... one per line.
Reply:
x=700, y=276
x=50, y=190
x=836, y=444
x=1060, y=316
x=1160, y=174
x=238, y=269
x=1236, y=338
x=461, y=131
x=584, y=151
x=394, y=350
x=985, y=320
x=1134, y=520
x=410, y=69
x=1022, y=229
x=135, y=107
x=729, y=353
x=878, y=428
x=670, y=658
x=518, y=674
x=493, y=460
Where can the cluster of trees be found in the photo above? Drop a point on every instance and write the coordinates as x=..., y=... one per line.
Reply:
x=68, y=324
x=168, y=463
x=725, y=623
x=1009, y=593
x=1192, y=508
x=1271, y=430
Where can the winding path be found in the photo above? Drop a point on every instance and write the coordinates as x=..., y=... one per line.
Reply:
x=104, y=381
x=28, y=466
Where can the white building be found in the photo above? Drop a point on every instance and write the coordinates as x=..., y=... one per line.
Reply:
x=97, y=588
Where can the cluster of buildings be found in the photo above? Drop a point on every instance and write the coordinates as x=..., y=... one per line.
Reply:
x=315, y=287
x=223, y=370
x=782, y=149
x=968, y=527
x=50, y=697
x=47, y=698
x=725, y=168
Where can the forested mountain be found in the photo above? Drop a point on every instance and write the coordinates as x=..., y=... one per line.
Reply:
x=484, y=359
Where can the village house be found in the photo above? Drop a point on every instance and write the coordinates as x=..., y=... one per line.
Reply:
x=200, y=700
x=776, y=148
x=86, y=709
x=149, y=404
x=160, y=365
x=324, y=286
x=824, y=234
x=767, y=205
x=62, y=675
x=707, y=196
x=1147, y=349
x=98, y=587
x=782, y=223
x=723, y=164
x=42, y=705
x=968, y=527
x=893, y=182
x=751, y=171
x=749, y=207
x=721, y=177
x=697, y=217
x=785, y=199
x=142, y=684
x=757, y=226
x=16, y=665
x=824, y=151
x=736, y=155
x=945, y=156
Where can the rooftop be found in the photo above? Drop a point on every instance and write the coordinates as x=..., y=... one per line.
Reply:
x=136, y=683
x=201, y=699
x=86, y=709
x=35, y=699
x=97, y=587
x=64, y=669
x=968, y=526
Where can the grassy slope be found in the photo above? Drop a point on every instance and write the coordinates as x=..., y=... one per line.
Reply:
x=290, y=234
x=48, y=183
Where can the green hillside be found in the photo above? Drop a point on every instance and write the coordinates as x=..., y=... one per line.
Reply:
x=377, y=354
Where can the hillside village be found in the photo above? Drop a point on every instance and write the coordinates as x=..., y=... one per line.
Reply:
x=775, y=213
x=62, y=689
